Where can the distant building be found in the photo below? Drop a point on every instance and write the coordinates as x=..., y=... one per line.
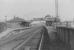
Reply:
x=17, y=22
x=49, y=20
x=38, y=21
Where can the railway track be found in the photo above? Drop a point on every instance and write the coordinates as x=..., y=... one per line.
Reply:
x=31, y=39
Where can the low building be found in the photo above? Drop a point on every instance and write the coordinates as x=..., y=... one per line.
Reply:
x=3, y=26
x=51, y=20
x=16, y=22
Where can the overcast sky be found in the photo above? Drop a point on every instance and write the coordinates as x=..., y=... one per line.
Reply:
x=36, y=8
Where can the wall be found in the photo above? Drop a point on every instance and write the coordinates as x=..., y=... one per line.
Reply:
x=66, y=35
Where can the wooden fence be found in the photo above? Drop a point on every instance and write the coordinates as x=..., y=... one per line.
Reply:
x=66, y=35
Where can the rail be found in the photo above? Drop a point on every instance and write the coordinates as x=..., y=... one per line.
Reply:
x=44, y=40
x=20, y=41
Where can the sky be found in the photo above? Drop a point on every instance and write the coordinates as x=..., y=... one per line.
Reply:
x=29, y=9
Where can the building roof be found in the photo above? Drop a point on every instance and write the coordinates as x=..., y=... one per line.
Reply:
x=16, y=19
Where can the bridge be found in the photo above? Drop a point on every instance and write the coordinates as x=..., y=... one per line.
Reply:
x=39, y=38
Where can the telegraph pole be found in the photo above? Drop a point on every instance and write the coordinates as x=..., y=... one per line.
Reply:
x=14, y=17
x=5, y=18
x=56, y=8
x=56, y=11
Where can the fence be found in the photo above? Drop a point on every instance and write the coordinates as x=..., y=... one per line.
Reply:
x=44, y=43
x=66, y=35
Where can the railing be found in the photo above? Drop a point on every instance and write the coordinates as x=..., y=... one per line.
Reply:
x=44, y=42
